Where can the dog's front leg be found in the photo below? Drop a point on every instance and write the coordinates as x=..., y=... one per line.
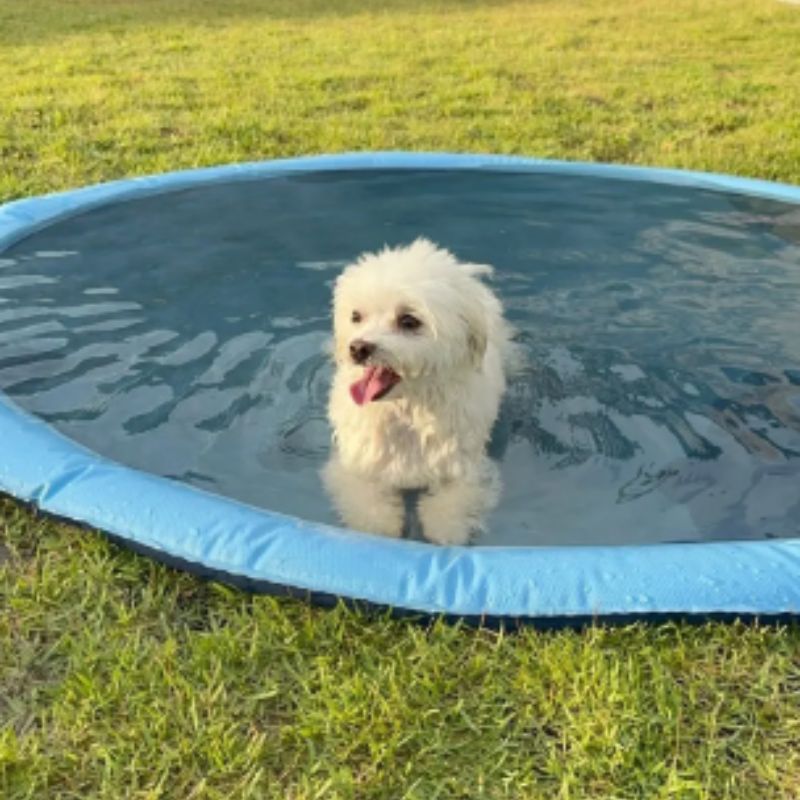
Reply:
x=363, y=504
x=453, y=512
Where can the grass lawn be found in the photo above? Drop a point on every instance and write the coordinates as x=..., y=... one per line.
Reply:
x=122, y=679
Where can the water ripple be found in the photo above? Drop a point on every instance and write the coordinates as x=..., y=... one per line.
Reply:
x=659, y=398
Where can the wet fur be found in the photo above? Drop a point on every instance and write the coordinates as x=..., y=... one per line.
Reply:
x=430, y=432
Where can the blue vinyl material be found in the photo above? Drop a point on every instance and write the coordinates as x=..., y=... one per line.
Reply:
x=260, y=549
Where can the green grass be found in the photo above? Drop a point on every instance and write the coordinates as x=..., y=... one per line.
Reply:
x=124, y=679
x=94, y=89
x=120, y=678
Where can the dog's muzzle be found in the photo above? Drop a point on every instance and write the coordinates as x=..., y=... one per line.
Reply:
x=361, y=350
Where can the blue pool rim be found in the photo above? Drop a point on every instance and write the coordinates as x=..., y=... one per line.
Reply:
x=265, y=551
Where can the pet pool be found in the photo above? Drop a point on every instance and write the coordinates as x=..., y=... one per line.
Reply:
x=162, y=378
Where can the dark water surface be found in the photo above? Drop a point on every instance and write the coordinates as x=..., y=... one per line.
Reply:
x=183, y=334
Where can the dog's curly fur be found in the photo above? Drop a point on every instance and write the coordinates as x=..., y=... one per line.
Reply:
x=434, y=334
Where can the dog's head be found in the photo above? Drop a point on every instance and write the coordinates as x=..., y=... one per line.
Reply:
x=410, y=315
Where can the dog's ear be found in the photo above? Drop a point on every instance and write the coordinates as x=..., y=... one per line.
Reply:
x=475, y=322
x=475, y=315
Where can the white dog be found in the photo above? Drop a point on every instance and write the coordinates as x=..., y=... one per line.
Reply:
x=420, y=344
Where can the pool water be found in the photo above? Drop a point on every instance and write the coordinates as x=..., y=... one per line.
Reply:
x=184, y=334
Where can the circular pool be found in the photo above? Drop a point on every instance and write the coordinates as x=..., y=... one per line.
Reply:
x=164, y=377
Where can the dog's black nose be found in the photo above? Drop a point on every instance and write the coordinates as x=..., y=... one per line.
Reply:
x=360, y=350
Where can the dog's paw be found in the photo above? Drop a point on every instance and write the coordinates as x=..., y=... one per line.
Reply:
x=381, y=515
x=363, y=505
x=451, y=534
x=441, y=527
x=386, y=521
x=454, y=513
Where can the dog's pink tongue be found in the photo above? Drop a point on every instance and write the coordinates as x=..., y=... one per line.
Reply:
x=374, y=381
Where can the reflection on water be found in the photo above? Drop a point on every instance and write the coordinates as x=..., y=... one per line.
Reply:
x=660, y=398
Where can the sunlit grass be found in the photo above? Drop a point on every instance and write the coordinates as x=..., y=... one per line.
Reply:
x=93, y=90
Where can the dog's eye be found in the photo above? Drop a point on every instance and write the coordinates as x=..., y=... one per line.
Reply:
x=355, y=317
x=408, y=322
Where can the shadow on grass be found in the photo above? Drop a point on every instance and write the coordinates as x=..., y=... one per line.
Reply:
x=36, y=20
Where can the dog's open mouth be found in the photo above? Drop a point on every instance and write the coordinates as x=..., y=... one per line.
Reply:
x=375, y=383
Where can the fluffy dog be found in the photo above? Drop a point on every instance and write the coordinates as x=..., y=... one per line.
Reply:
x=420, y=345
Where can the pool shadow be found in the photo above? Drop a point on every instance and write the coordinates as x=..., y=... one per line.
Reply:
x=33, y=22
